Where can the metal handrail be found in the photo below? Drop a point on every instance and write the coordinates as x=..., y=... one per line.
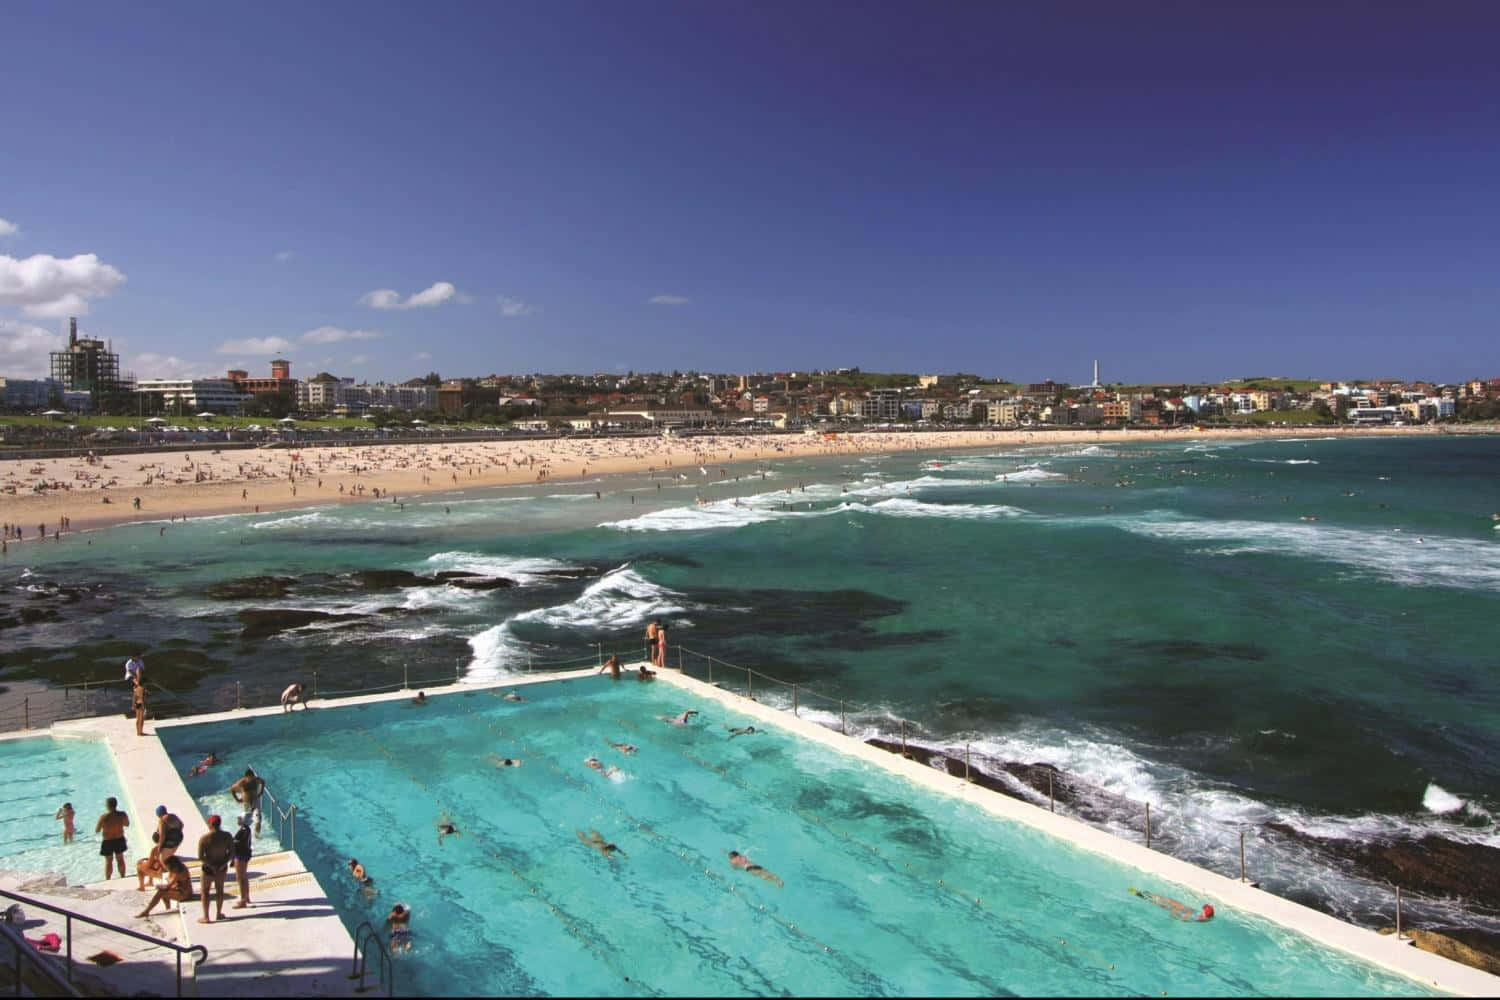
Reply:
x=46, y=969
x=364, y=936
x=288, y=817
x=71, y=916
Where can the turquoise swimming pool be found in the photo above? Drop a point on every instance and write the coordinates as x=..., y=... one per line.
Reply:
x=37, y=775
x=888, y=888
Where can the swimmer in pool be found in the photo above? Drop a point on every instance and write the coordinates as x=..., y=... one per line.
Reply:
x=738, y=860
x=1179, y=910
x=446, y=828
x=499, y=761
x=595, y=764
x=512, y=696
x=679, y=720
x=399, y=921
x=741, y=731
x=627, y=749
x=595, y=841
x=362, y=879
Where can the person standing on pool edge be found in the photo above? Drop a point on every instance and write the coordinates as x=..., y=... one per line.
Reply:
x=661, y=646
x=215, y=852
x=651, y=630
x=111, y=827
x=138, y=704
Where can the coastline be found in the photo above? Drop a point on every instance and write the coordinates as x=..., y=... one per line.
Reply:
x=198, y=483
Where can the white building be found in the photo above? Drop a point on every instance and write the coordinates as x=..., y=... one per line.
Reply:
x=217, y=395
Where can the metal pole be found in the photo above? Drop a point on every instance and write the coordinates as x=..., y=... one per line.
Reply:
x=710, y=670
x=528, y=663
x=794, y=700
x=236, y=695
x=293, y=838
x=903, y=738
x=750, y=684
x=315, y=683
x=179, y=973
x=26, y=707
x=843, y=724
x=967, y=753
x=1242, y=855
x=600, y=647
x=1051, y=802
x=1148, y=824
x=69, y=930
x=405, y=686
x=679, y=659
x=1398, y=913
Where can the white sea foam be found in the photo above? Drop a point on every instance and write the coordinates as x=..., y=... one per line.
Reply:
x=907, y=507
x=619, y=600
x=1030, y=474
x=1286, y=461
x=522, y=569
x=910, y=485
x=1402, y=557
x=1437, y=799
x=311, y=517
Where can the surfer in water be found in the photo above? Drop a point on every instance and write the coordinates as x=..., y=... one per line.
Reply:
x=1181, y=911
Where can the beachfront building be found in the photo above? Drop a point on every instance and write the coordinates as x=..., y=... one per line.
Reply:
x=881, y=404
x=88, y=365
x=192, y=395
x=30, y=393
x=659, y=416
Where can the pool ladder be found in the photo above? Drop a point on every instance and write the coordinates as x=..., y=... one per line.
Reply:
x=366, y=935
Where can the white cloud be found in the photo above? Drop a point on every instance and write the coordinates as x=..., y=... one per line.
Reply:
x=388, y=298
x=335, y=334
x=255, y=346
x=421, y=356
x=24, y=349
x=360, y=359
x=44, y=285
x=668, y=300
x=284, y=255
x=8, y=228
x=152, y=365
x=515, y=307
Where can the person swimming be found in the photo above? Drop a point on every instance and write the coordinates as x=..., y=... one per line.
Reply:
x=399, y=922
x=741, y=731
x=1180, y=911
x=512, y=696
x=203, y=765
x=740, y=861
x=595, y=764
x=595, y=841
x=679, y=720
x=446, y=828
x=499, y=761
x=625, y=748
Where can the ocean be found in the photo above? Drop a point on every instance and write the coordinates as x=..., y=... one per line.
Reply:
x=1295, y=640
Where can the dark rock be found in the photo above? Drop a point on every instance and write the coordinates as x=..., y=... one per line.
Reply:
x=30, y=616
x=250, y=588
x=1431, y=865
x=452, y=574
x=483, y=583
x=1476, y=948
x=388, y=579
x=262, y=622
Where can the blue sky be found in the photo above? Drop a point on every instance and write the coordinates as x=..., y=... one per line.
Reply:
x=1186, y=192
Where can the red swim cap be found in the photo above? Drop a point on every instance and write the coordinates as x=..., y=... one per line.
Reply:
x=1208, y=911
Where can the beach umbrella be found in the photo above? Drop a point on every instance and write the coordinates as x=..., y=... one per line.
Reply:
x=155, y=420
x=287, y=420
x=207, y=415
x=418, y=422
x=53, y=413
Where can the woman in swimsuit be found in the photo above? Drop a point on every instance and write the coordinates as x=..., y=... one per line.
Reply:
x=179, y=887
x=738, y=860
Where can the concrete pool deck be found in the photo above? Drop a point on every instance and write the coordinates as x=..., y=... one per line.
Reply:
x=299, y=945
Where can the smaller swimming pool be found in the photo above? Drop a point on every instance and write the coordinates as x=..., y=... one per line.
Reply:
x=37, y=775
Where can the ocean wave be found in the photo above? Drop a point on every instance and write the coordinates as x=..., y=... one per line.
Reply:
x=919, y=483
x=1030, y=474
x=906, y=507
x=1401, y=557
x=308, y=517
x=1286, y=461
x=619, y=600
x=521, y=569
x=1437, y=799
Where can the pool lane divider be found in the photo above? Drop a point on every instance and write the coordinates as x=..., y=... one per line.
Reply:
x=1383, y=951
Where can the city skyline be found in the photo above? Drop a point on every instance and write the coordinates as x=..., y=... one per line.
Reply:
x=1197, y=195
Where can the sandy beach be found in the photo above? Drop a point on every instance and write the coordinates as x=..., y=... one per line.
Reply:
x=59, y=496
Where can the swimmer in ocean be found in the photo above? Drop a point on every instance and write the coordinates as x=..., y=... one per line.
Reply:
x=1181, y=911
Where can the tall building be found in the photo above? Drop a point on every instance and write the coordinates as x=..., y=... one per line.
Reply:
x=87, y=365
x=280, y=381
